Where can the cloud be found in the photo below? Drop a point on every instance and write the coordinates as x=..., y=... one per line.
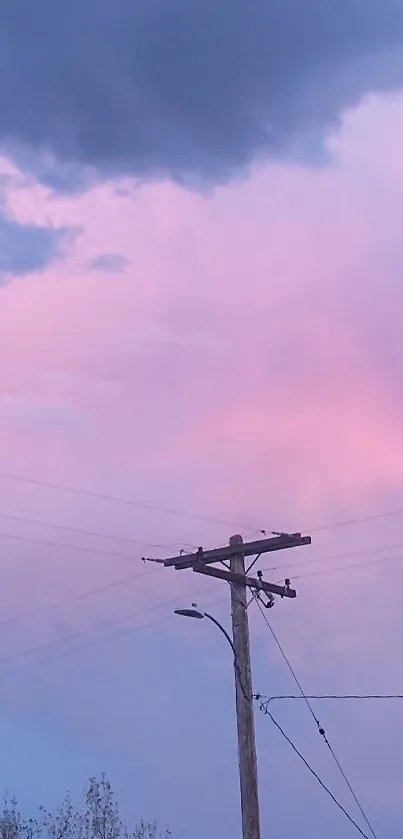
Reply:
x=293, y=253
x=26, y=248
x=190, y=89
x=109, y=263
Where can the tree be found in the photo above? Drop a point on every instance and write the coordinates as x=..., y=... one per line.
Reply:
x=98, y=818
x=12, y=825
x=149, y=830
x=102, y=819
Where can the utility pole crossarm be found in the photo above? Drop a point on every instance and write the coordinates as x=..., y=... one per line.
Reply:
x=251, y=582
x=277, y=543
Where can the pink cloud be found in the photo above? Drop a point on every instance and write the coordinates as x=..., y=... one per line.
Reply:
x=229, y=370
x=232, y=325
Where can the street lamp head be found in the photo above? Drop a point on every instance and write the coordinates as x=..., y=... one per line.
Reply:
x=189, y=613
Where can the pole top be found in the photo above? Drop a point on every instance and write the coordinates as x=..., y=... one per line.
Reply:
x=236, y=540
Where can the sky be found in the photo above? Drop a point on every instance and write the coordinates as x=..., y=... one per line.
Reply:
x=200, y=319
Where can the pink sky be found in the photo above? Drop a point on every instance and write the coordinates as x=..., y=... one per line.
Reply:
x=244, y=320
x=247, y=366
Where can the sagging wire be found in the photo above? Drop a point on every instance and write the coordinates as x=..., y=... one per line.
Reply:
x=320, y=728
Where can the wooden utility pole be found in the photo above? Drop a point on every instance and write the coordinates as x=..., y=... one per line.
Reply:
x=248, y=775
x=234, y=572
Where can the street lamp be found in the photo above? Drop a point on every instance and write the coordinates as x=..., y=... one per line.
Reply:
x=195, y=613
x=189, y=613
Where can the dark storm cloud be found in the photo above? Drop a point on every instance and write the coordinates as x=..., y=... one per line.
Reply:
x=25, y=248
x=192, y=89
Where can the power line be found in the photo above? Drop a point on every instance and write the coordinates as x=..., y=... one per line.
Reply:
x=100, y=628
x=79, y=548
x=358, y=520
x=136, y=628
x=78, y=634
x=177, y=512
x=350, y=567
x=333, y=557
x=266, y=700
x=84, y=532
x=91, y=643
x=315, y=774
x=128, y=579
x=115, y=584
x=98, y=641
x=87, y=549
x=122, y=500
x=347, y=782
x=320, y=728
x=47, y=607
x=287, y=661
x=132, y=629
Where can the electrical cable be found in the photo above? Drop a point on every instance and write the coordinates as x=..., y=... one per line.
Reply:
x=81, y=596
x=44, y=542
x=334, y=557
x=85, y=645
x=47, y=607
x=351, y=567
x=173, y=511
x=97, y=533
x=348, y=784
x=132, y=629
x=99, y=589
x=358, y=520
x=85, y=548
x=315, y=774
x=136, y=628
x=70, y=637
x=266, y=700
x=97, y=641
x=127, y=501
x=117, y=583
x=320, y=728
x=287, y=661
x=105, y=625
